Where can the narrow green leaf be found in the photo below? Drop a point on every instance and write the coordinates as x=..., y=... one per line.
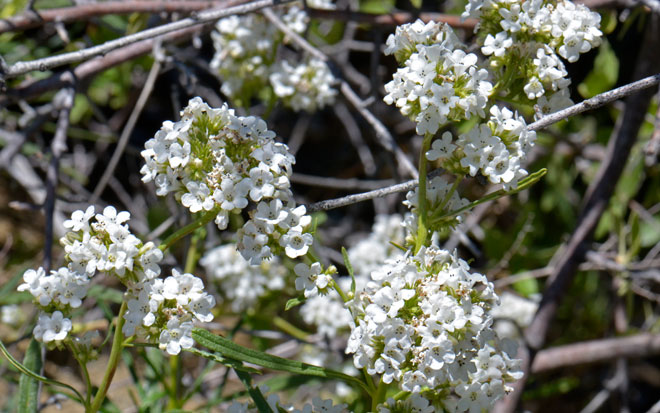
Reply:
x=255, y=393
x=234, y=351
x=349, y=267
x=28, y=387
x=294, y=302
x=222, y=360
x=20, y=367
x=635, y=240
x=522, y=185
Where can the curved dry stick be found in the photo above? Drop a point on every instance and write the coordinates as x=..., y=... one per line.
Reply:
x=92, y=67
x=128, y=130
x=57, y=147
x=35, y=18
x=392, y=19
x=209, y=16
x=596, y=351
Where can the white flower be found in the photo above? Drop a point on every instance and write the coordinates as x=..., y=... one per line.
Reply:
x=149, y=260
x=79, y=220
x=178, y=335
x=310, y=279
x=52, y=328
x=201, y=307
x=138, y=314
x=232, y=195
x=197, y=198
x=496, y=45
x=110, y=217
x=242, y=284
x=296, y=243
x=441, y=148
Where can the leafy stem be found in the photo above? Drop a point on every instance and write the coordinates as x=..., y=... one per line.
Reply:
x=422, y=207
x=198, y=223
x=115, y=353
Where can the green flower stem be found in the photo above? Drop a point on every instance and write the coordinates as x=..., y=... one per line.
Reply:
x=290, y=329
x=422, y=202
x=451, y=192
x=176, y=367
x=401, y=395
x=198, y=223
x=115, y=353
x=381, y=392
x=85, y=373
x=341, y=292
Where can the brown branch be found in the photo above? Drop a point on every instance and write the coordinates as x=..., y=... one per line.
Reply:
x=90, y=68
x=208, y=16
x=36, y=18
x=128, y=130
x=64, y=99
x=596, y=351
x=391, y=19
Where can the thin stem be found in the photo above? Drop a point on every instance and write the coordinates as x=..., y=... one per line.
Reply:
x=341, y=292
x=290, y=329
x=379, y=396
x=175, y=388
x=451, y=192
x=198, y=223
x=83, y=367
x=422, y=202
x=176, y=366
x=117, y=345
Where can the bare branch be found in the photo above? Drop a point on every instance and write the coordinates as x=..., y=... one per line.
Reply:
x=94, y=66
x=392, y=19
x=36, y=18
x=128, y=130
x=596, y=101
x=209, y=16
x=336, y=183
x=597, y=351
x=64, y=99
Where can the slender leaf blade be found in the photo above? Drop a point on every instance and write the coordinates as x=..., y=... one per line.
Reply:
x=234, y=351
x=28, y=387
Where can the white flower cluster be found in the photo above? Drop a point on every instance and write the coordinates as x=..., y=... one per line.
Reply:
x=163, y=310
x=96, y=242
x=327, y=312
x=527, y=38
x=441, y=199
x=103, y=242
x=424, y=322
x=306, y=85
x=246, y=60
x=216, y=161
x=318, y=405
x=11, y=314
x=495, y=149
x=242, y=284
x=439, y=82
x=371, y=252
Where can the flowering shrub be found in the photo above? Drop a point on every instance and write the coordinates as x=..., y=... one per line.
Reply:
x=417, y=323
